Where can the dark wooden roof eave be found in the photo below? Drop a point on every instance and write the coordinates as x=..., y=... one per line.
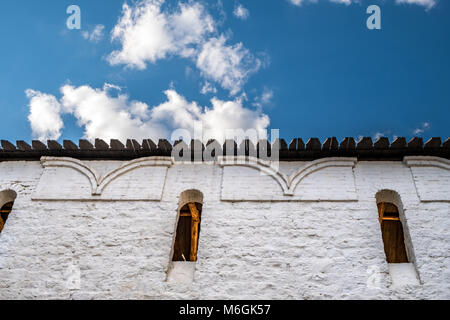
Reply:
x=296, y=150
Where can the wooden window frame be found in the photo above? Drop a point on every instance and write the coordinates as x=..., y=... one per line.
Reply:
x=5, y=210
x=391, y=245
x=195, y=216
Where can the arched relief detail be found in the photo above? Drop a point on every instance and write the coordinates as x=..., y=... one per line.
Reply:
x=98, y=182
x=257, y=164
x=425, y=172
x=130, y=166
x=88, y=172
x=300, y=174
x=288, y=183
x=423, y=161
x=149, y=184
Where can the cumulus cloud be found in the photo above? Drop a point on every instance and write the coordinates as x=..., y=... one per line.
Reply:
x=44, y=117
x=230, y=66
x=149, y=31
x=215, y=121
x=148, y=34
x=241, y=12
x=95, y=35
x=106, y=116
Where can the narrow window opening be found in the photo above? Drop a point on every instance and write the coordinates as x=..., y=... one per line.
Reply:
x=392, y=231
x=7, y=198
x=188, y=231
x=185, y=247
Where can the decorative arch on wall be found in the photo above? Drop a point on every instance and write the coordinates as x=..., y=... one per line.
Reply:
x=425, y=171
x=288, y=183
x=98, y=183
x=424, y=161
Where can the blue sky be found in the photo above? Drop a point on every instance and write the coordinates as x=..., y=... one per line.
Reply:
x=310, y=70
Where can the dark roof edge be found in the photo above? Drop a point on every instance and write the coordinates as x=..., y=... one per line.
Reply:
x=296, y=150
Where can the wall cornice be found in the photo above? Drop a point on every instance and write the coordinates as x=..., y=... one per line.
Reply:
x=296, y=150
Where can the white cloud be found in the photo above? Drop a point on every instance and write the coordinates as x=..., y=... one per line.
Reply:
x=95, y=35
x=300, y=2
x=425, y=3
x=265, y=98
x=387, y=134
x=148, y=32
x=378, y=135
x=44, y=117
x=228, y=65
x=424, y=127
x=226, y=115
x=241, y=12
x=106, y=117
x=346, y=2
x=296, y=2
x=208, y=88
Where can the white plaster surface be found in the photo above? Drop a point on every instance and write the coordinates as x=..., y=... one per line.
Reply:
x=431, y=176
x=181, y=272
x=334, y=176
x=141, y=179
x=403, y=275
x=247, y=249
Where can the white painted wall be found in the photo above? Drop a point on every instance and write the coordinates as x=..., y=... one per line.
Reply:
x=97, y=248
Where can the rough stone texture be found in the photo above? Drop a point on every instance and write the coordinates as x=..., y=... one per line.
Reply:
x=247, y=250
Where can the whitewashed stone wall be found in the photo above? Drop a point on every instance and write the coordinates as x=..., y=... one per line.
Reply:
x=286, y=247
